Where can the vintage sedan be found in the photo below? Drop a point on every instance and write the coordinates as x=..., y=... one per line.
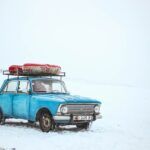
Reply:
x=45, y=100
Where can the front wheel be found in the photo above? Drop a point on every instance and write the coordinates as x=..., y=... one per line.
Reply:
x=83, y=126
x=46, y=122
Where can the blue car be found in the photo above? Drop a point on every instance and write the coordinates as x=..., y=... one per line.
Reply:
x=45, y=99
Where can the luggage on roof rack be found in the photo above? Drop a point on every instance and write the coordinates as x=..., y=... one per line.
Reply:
x=41, y=68
x=30, y=69
x=15, y=68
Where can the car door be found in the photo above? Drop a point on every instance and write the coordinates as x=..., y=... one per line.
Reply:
x=21, y=100
x=6, y=97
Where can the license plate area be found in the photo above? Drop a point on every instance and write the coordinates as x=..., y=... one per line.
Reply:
x=77, y=118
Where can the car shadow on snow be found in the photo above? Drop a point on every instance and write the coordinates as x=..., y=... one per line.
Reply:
x=35, y=126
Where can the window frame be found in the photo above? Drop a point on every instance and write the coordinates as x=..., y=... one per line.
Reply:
x=28, y=82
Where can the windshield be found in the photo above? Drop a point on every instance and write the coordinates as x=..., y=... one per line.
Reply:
x=48, y=86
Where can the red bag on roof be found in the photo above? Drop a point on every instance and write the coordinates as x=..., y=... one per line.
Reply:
x=35, y=69
x=54, y=69
x=15, y=69
x=41, y=68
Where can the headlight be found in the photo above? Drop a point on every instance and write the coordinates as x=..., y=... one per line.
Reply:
x=64, y=109
x=97, y=108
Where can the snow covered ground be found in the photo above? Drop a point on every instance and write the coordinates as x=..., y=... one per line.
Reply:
x=125, y=124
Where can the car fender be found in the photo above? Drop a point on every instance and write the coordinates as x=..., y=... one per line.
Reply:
x=38, y=104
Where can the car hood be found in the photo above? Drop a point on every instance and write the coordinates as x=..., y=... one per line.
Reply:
x=67, y=98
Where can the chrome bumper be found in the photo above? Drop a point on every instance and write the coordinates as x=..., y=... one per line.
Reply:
x=67, y=118
x=62, y=118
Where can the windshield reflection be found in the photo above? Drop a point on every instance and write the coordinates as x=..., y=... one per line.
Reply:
x=48, y=86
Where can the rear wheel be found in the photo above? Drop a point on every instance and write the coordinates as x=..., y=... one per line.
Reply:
x=83, y=126
x=46, y=122
x=2, y=119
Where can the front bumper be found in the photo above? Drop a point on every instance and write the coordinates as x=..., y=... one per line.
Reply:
x=77, y=119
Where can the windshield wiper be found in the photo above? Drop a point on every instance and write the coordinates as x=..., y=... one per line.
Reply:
x=40, y=91
x=53, y=92
x=56, y=93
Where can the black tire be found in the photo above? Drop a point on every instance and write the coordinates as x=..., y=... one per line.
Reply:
x=83, y=125
x=1, y=116
x=2, y=119
x=46, y=122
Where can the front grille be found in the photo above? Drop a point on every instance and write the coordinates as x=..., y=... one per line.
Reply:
x=80, y=108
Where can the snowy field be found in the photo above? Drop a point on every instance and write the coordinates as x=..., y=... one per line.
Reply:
x=125, y=124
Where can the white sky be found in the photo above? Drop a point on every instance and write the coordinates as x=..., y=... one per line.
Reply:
x=104, y=40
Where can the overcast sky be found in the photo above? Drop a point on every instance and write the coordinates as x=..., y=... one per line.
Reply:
x=97, y=40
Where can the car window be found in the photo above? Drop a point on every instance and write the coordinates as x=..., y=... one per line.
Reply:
x=23, y=86
x=48, y=86
x=11, y=86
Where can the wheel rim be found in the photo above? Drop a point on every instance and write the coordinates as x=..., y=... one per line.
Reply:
x=46, y=121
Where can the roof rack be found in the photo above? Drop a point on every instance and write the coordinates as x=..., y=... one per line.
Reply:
x=27, y=74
